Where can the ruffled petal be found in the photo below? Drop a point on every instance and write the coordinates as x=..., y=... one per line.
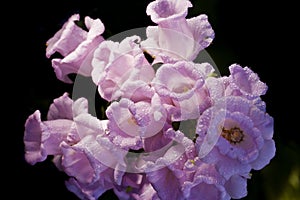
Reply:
x=32, y=139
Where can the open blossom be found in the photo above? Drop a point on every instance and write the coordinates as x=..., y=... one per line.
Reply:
x=235, y=133
x=168, y=172
x=183, y=84
x=121, y=70
x=42, y=138
x=94, y=165
x=130, y=123
x=76, y=46
x=175, y=37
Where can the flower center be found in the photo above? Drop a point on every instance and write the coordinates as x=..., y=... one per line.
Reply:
x=132, y=121
x=128, y=189
x=233, y=135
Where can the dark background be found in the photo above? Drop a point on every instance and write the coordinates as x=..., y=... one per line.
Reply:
x=251, y=33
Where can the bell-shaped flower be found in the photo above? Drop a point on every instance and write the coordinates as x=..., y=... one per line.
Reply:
x=76, y=46
x=175, y=37
x=183, y=83
x=95, y=163
x=121, y=70
x=43, y=138
x=168, y=171
x=131, y=122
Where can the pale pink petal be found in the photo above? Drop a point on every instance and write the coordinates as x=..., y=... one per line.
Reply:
x=76, y=45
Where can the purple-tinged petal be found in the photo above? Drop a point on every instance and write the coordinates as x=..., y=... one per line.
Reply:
x=76, y=46
x=157, y=141
x=203, y=34
x=183, y=83
x=266, y=154
x=207, y=184
x=137, y=90
x=55, y=132
x=264, y=122
x=103, y=55
x=90, y=191
x=67, y=122
x=32, y=139
x=111, y=156
x=238, y=130
x=165, y=41
x=165, y=10
x=87, y=124
x=165, y=45
x=215, y=88
x=244, y=81
x=181, y=139
x=227, y=167
x=165, y=183
x=43, y=138
x=135, y=186
x=122, y=71
x=58, y=42
x=236, y=186
x=90, y=158
x=64, y=107
x=77, y=162
x=130, y=122
x=61, y=108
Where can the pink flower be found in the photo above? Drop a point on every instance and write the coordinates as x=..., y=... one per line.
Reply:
x=167, y=172
x=175, y=37
x=121, y=70
x=43, y=138
x=182, y=83
x=76, y=46
x=94, y=165
x=131, y=122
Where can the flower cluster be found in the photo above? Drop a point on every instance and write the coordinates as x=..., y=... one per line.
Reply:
x=174, y=128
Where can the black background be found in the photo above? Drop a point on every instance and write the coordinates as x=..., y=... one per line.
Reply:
x=251, y=33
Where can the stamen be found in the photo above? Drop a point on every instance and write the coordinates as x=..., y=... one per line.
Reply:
x=234, y=135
